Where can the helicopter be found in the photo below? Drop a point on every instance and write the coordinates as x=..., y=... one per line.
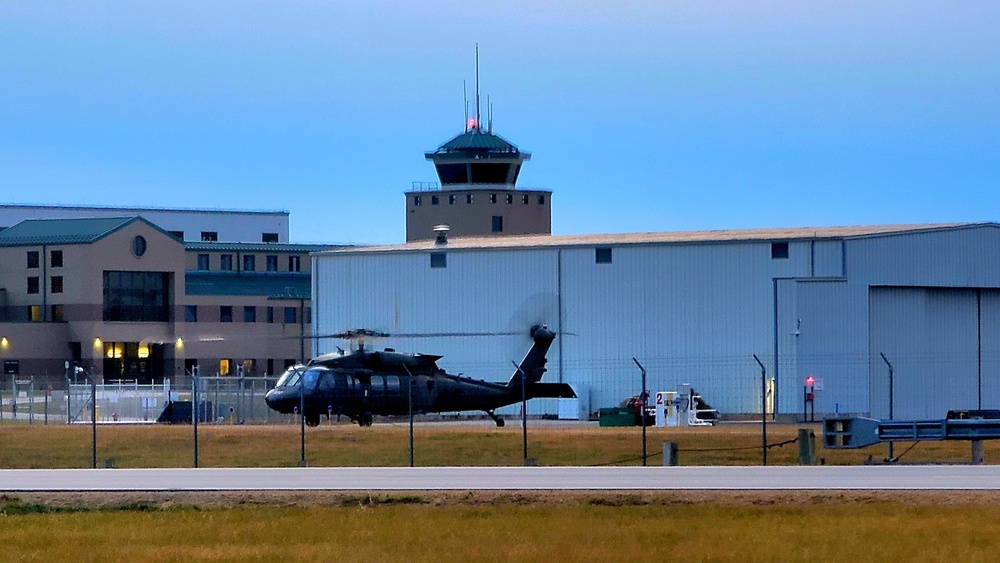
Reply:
x=362, y=383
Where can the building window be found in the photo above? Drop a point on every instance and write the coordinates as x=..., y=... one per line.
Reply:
x=56, y=259
x=270, y=314
x=524, y=199
x=498, y=223
x=35, y=313
x=32, y=259
x=435, y=200
x=203, y=261
x=249, y=314
x=602, y=255
x=294, y=263
x=190, y=313
x=452, y=199
x=417, y=201
x=308, y=315
x=779, y=250
x=269, y=237
x=139, y=246
x=541, y=200
x=272, y=263
x=179, y=235
x=510, y=199
x=290, y=315
x=470, y=198
x=225, y=313
x=270, y=366
x=225, y=365
x=57, y=284
x=33, y=285
x=226, y=262
x=58, y=314
x=493, y=198
x=439, y=260
x=249, y=263
x=209, y=236
x=136, y=296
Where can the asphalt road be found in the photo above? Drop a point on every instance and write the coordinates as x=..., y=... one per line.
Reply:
x=915, y=477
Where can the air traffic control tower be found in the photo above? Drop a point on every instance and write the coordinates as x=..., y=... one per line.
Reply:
x=477, y=194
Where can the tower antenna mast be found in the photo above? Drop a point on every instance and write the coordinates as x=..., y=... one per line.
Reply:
x=477, y=86
x=465, y=96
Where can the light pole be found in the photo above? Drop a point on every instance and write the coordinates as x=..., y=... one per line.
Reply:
x=886, y=360
x=763, y=409
x=642, y=413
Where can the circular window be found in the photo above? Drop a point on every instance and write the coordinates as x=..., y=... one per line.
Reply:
x=139, y=246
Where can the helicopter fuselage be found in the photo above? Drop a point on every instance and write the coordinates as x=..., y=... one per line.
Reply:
x=362, y=383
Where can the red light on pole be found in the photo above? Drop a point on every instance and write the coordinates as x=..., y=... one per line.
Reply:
x=810, y=381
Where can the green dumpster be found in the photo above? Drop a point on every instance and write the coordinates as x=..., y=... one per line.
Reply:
x=615, y=416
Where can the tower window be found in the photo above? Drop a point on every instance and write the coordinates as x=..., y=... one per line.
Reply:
x=417, y=201
x=452, y=199
x=498, y=223
x=524, y=199
x=179, y=235
x=469, y=198
x=602, y=255
x=493, y=198
x=541, y=200
x=439, y=260
x=510, y=199
x=209, y=236
x=435, y=200
x=269, y=237
x=779, y=250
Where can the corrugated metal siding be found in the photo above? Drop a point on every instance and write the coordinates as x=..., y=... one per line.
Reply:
x=930, y=337
x=964, y=257
x=832, y=345
x=990, y=338
x=690, y=313
x=828, y=258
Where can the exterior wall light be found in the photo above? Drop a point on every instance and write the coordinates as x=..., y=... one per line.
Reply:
x=97, y=343
x=3, y=342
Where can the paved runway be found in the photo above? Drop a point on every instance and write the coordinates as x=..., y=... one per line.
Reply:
x=934, y=477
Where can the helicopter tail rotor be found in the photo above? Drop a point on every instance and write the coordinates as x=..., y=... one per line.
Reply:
x=532, y=367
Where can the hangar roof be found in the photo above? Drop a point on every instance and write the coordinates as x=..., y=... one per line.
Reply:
x=674, y=237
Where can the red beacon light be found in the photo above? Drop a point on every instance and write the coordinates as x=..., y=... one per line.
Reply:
x=810, y=381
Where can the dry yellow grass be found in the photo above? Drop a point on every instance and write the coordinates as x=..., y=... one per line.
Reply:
x=61, y=446
x=583, y=529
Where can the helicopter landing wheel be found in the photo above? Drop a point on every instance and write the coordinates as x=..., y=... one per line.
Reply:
x=500, y=423
x=365, y=419
x=312, y=421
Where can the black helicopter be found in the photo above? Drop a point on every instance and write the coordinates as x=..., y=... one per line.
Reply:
x=361, y=384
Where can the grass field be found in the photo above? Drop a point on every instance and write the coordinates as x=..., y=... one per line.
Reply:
x=61, y=446
x=511, y=527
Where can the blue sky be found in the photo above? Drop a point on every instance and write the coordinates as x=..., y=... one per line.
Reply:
x=641, y=116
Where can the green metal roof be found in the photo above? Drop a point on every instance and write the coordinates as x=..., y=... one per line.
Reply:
x=33, y=232
x=477, y=141
x=287, y=285
x=259, y=247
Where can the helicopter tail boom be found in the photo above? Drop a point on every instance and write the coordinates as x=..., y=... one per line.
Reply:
x=550, y=391
x=533, y=364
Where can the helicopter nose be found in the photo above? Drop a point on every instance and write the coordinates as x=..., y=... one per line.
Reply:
x=271, y=399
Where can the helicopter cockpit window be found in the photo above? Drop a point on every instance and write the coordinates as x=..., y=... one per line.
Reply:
x=311, y=377
x=290, y=377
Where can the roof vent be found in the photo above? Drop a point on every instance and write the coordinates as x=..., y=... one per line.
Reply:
x=441, y=234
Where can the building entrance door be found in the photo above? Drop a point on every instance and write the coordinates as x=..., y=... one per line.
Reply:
x=133, y=361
